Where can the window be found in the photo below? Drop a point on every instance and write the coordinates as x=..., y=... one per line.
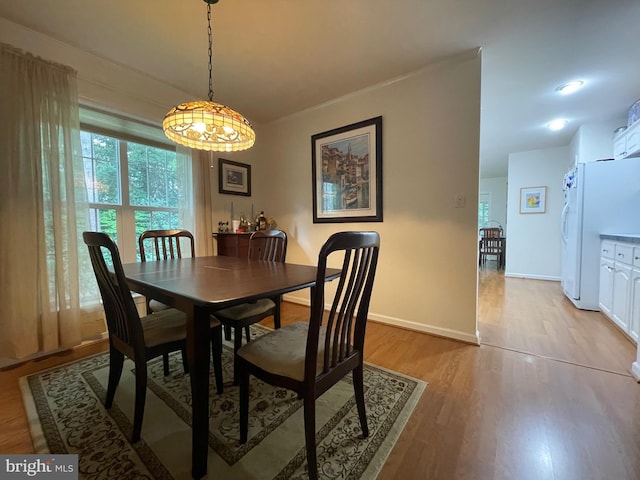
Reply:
x=484, y=209
x=131, y=187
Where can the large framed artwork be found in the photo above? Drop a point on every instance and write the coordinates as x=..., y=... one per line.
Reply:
x=533, y=199
x=347, y=173
x=234, y=178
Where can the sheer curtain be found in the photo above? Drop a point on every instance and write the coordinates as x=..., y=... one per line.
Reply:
x=195, y=207
x=43, y=208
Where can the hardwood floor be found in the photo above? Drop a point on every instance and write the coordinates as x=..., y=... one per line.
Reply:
x=547, y=396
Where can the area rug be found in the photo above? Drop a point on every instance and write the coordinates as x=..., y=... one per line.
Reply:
x=65, y=407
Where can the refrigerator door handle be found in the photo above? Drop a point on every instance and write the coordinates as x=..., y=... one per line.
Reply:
x=563, y=219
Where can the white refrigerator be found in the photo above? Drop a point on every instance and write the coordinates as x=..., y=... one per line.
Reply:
x=600, y=197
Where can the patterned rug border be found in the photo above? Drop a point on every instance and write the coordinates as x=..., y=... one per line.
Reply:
x=381, y=448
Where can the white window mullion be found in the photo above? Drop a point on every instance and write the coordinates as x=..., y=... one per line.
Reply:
x=127, y=224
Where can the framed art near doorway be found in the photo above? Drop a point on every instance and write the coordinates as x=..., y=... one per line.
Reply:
x=533, y=199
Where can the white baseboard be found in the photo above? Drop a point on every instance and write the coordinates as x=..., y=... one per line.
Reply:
x=635, y=371
x=406, y=324
x=532, y=277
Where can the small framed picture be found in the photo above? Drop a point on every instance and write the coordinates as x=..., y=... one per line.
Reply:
x=533, y=199
x=234, y=178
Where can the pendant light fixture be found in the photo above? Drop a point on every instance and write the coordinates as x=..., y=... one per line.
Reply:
x=205, y=124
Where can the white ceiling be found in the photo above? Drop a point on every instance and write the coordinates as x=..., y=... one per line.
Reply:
x=273, y=58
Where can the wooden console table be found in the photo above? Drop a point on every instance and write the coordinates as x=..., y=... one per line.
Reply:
x=233, y=244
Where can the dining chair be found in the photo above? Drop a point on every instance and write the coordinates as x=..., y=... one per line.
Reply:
x=266, y=245
x=492, y=247
x=163, y=245
x=140, y=339
x=309, y=358
x=490, y=232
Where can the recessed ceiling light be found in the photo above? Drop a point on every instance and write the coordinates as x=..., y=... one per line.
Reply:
x=570, y=87
x=557, y=124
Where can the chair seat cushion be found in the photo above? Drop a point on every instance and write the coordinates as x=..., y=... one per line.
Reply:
x=164, y=327
x=282, y=351
x=246, y=310
x=156, y=306
x=167, y=326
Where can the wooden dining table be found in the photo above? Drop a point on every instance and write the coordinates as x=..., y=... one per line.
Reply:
x=199, y=286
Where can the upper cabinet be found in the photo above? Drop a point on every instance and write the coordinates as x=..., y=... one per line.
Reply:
x=592, y=141
x=627, y=143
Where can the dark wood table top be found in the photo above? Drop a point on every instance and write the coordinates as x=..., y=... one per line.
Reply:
x=219, y=281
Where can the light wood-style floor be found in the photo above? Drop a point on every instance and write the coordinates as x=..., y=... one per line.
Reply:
x=547, y=396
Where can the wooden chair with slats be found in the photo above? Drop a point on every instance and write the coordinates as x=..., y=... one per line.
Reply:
x=164, y=245
x=490, y=232
x=309, y=358
x=264, y=245
x=491, y=245
x=140, y=339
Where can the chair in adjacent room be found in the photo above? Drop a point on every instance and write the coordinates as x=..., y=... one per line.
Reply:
x=492, y=247
x=490, y=232
x=140, y=339
x=309, y=358
x=492, y=244
x=266, y=245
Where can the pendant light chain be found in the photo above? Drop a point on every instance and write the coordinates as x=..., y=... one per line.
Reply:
x=210, y=50
x=208, y=125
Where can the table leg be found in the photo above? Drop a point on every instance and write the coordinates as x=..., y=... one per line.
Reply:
x=198, y=355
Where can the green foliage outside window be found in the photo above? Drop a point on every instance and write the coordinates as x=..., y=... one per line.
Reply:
x=151, y=180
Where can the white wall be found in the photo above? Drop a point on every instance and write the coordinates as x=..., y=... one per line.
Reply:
x=594, y=141
x=497, y=189
x=533, y=240
x=526, y=256
x=427, y=278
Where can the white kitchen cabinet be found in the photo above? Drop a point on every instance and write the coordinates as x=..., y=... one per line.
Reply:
x=627, y=143
x=621, y=291
x=619, y=296
x=606, y=285
x=607, y=267
x=634, y=313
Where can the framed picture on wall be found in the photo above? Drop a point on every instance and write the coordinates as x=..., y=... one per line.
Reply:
x=234, y=178
x=347, y=173
x=533, y=199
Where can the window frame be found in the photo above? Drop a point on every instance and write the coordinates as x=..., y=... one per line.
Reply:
x=125, y=212
x=484, y=198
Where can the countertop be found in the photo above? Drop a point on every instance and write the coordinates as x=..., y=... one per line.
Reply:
x=621, y=237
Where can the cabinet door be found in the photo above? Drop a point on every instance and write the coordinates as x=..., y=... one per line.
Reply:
x=632, y=144
x=233, y=244
x=634, y=314
x=606, y=285
x=621, y=292
x=619, y=147
x=243, y=245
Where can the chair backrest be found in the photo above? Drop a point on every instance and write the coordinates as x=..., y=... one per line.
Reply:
x=164, y=244
x=268, y=245
x=491, y=232
x=346, y=322
x=123, y=321
x=491, y=245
